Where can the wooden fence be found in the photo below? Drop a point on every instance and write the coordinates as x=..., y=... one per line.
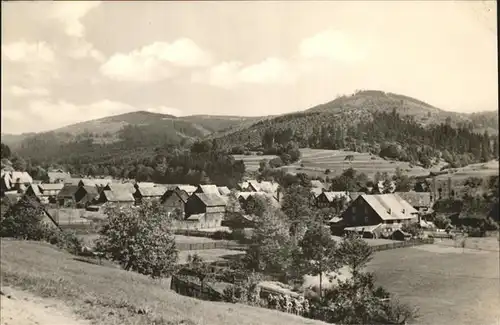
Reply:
x=191, y=289
x=403, y=244
x=212, y=245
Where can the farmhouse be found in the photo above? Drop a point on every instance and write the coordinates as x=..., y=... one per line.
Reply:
x=46, y=193
x=318, y=184
x=207, y=189
x=120, y=187
x=58, y=176
x=86, y=195
x=316, y=192
x=371, y=211
x=148, y=193
x=66, y=196
x=189, y=189
x=421, y=201
x=175, y=200
x=327, y=199
x=212, y=205
x=120, y=198
x=15, y=180
x=223, y=190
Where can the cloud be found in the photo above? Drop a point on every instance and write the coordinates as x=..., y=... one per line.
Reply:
x=70, y=15
x=333, y=45
x=23, y=51
x=81, y=49
x=232, y=73
x=25, y=92
x=155, y=62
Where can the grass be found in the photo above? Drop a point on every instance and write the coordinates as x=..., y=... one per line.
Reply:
x=448, y=285
x=111, y=296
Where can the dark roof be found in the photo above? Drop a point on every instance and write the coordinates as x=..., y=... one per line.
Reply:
x=416, y=199
x=180, y=193
x=354, y=195
x=68, y=191
x=210, y=200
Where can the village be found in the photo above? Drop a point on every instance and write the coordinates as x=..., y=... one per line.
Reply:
x=204, y=206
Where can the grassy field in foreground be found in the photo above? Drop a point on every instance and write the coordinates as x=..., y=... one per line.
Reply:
x=112, y=296
x=448, y=285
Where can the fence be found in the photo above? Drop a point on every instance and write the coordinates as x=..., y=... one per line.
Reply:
x=212, y=245
x=191, y=289
x=403, y=244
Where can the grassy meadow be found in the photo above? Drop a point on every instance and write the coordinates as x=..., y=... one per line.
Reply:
x=316, y=161
x=448, y=285
x=110, y=296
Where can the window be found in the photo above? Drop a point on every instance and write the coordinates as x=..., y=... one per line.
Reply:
x=390, y=222
x=366, y=219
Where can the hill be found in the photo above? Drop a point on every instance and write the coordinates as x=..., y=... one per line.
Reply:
x=348, y=111
x=107, y=295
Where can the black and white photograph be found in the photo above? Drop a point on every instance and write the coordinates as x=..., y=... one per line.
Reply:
x=249, y=163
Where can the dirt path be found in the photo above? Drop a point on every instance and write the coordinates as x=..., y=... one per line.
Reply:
x=22, y=308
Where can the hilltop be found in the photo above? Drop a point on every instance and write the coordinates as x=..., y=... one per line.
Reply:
x=348, y=111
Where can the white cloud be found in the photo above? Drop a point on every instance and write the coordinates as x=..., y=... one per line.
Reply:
x=155, y=62
x=81, y=49
x=25, y=92
x=23, y=51
x=331, y=44
x=70, y=14
x=233, y=73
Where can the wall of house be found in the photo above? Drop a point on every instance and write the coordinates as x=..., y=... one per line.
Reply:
x=194, y=206
x=360, y=214
x=174, y=202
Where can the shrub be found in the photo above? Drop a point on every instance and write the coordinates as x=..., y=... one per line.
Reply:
x=140, y=239
x=276, y=162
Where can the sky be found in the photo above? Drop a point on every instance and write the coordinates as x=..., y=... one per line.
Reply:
x=67, y=62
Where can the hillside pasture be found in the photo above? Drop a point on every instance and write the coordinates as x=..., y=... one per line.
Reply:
x=252, y=161
x=108, y=296
x=447, y=284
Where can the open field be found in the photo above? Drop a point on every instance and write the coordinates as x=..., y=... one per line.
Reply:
x=448, y=285
x=316, y=161
x=209, y=255
x=112, y=296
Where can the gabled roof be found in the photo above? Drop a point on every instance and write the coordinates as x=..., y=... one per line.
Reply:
x=94, y=182
x=208, y=189
x=242, y=186
x=330, y=196
x=223, y=190
x=390, y=206
x=244, y=195
x=35, y=189
x=179, y=193
x=316, y=191
x=189, y=189
x=317, y=184
x=335, y=220
x=268, y=187
x=50, y=187
x=68, y=191
x=416, y=199
x=118, y=196
x=144, y=184
x=20, y=177
x=354, y=195
x=151, y=191
x=91, y=190
x=210, y=200
x=120, y=187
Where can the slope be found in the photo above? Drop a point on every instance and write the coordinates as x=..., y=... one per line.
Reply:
x=112, y=296
x=348, y=111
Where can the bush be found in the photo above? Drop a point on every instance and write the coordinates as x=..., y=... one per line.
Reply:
x=327, y=171
x=276, y=162
x=140, y=239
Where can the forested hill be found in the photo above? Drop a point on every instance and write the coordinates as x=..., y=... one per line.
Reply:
x=348, y=111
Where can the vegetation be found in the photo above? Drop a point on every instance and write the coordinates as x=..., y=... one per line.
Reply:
x=140, y=239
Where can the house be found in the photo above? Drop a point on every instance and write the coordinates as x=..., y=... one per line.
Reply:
x=149, y=193
x=86, y=195
x=223, y=190
x=123, y=198
x=5, y=181
x=316, y=192
x=327, y=199
x=175, y=200
x=207, y=189
x=66, y=196
x=421, y=201
x=189, y=189
x=378, y=209
x=318, y=184
x=58, y=176
x=373, y=231
x=120, y=187
x=243, y=186
x=144, y=184
x=100, y=183
x=46, y=193
x=212, y=205
x=20, y=181
x=336, y=226
x=354, y=195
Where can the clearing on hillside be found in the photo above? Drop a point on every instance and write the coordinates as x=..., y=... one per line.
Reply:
x=112, y=296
